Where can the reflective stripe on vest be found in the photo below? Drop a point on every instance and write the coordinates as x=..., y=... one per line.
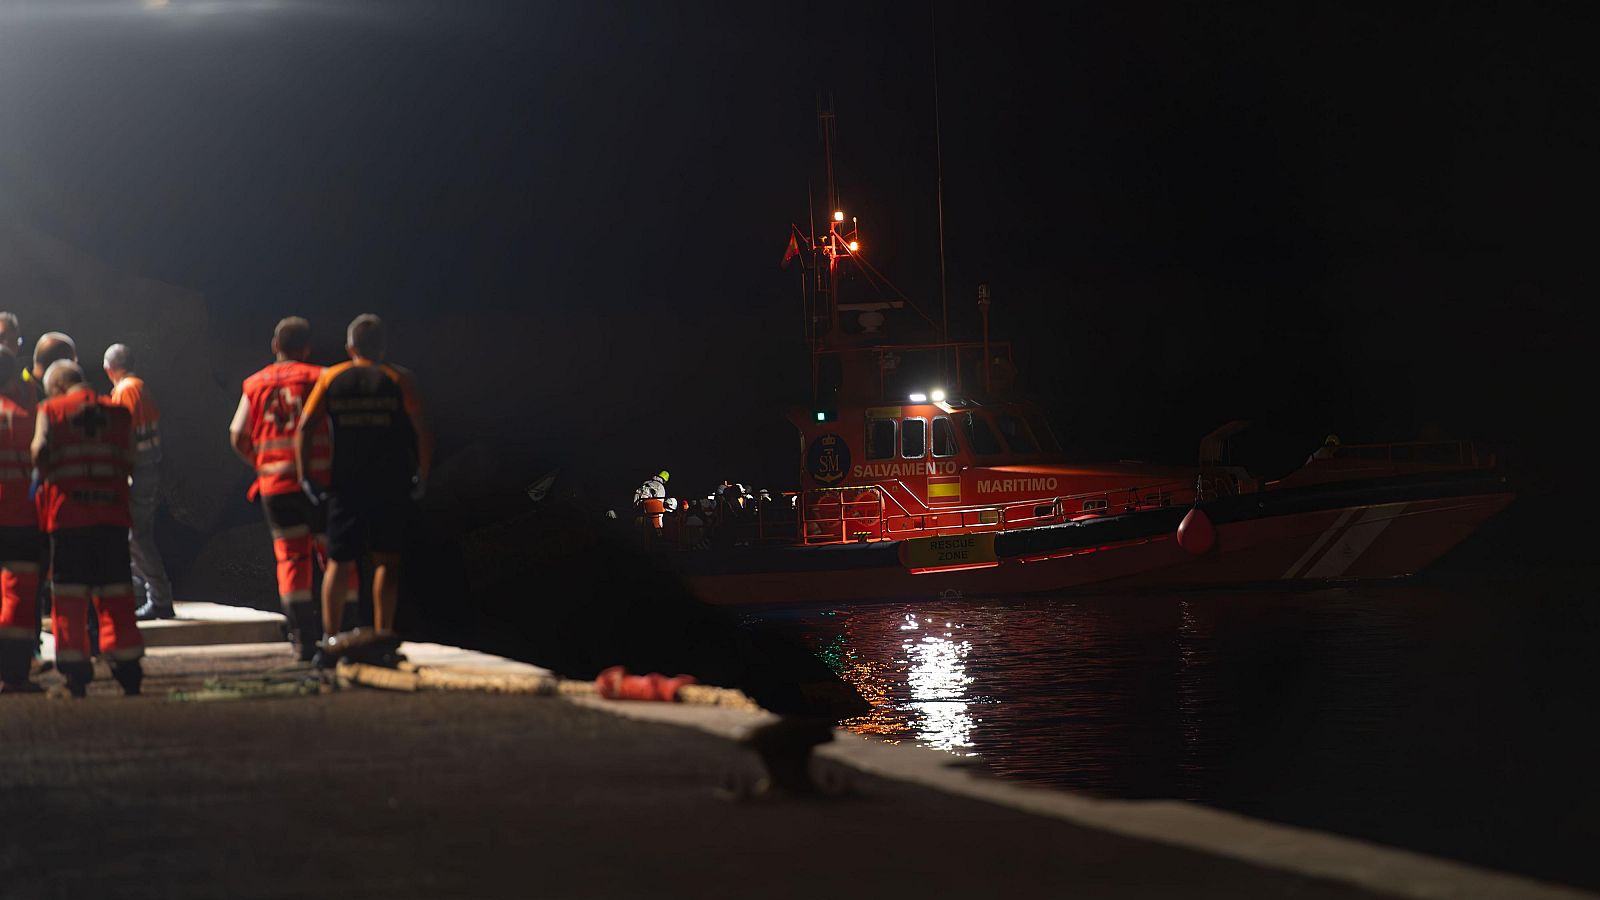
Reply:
x=276, y=396
x=86, y=462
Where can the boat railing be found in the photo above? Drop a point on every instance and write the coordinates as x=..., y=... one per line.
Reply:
x=836, y=515
x=1446, y=453
x=1227, y=481
x=871, y=512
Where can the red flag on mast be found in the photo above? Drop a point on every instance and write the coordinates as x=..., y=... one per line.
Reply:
x=792, y=252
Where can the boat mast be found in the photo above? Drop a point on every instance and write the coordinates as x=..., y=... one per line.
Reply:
x=825, y=286
x=938, y=150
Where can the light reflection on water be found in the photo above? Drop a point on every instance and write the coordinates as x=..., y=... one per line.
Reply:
x=938, y=684
x=1359, y=710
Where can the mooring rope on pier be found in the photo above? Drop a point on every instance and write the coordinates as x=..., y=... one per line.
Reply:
x=304, y=681
x=411, y=678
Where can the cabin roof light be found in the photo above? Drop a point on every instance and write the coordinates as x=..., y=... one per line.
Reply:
x=919, y=397
x=937, y=395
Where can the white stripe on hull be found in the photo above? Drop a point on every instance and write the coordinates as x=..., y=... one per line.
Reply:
x=1357, y=538
x=1320, y=543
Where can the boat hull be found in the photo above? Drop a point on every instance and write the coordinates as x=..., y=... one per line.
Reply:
x=1383, y=529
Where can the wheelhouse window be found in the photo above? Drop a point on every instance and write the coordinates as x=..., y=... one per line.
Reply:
x=980, y=437
x=880, y=439
x=1045, y=434
x=913, y=438
x=1018, y=437
x=944, y=437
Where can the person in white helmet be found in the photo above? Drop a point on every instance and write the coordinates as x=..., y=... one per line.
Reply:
x=651, y=498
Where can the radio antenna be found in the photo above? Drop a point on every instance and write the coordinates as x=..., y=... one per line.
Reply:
x=938, y=149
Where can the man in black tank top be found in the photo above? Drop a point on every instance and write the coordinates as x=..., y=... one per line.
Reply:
x=382, y=451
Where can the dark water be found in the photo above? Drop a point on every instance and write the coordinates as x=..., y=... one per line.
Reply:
x=1454, y=716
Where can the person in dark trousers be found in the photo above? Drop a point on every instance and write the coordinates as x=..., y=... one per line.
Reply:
x=83, y=449
x=150, y=582
x=24, y=391
x=262, y=434
x=382, y=452
x=21, y=543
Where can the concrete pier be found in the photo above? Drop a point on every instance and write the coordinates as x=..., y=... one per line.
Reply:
x=366, y=793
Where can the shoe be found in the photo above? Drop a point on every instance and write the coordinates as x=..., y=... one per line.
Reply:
x=148, y=610
x=78, y=676
x=129, y=674
x=377, y=650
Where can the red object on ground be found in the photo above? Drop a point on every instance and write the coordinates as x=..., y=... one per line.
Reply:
x=1196, y=534
x=616, y=684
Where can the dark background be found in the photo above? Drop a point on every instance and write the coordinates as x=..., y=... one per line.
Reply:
x=1375, y=223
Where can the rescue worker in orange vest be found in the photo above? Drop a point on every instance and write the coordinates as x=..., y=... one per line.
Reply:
x=21, y=543
x=24, y=390
x=262, y=433
x=150, y=583
x=83, y=448
x=382, y=451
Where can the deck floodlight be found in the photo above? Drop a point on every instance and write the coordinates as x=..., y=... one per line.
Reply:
x=838, y=215
x=854, y=246
x=919, y=398
x=937, y=395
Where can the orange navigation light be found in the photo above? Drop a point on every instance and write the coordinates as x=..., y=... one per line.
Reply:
x=854, y=246
x=838, y=215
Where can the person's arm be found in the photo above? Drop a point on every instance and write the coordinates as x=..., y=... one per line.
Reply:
x=419, y=424
x=315, y=413
x=41, y=440
x=239, y=432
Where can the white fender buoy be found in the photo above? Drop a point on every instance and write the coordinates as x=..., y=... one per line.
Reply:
x=1196, y=534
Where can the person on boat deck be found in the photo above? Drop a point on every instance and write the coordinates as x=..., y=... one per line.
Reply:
x=1326, y=451
x=730, y=494
x=650, y=499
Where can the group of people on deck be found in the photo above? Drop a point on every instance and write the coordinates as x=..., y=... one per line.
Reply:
x=688, y=523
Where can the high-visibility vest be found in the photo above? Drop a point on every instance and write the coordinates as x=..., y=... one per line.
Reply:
x=88, y=455
x=16, y=465
x=276, y=395
x=130, y=393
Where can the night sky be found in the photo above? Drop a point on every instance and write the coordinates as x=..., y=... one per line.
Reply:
x=1376, y=223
